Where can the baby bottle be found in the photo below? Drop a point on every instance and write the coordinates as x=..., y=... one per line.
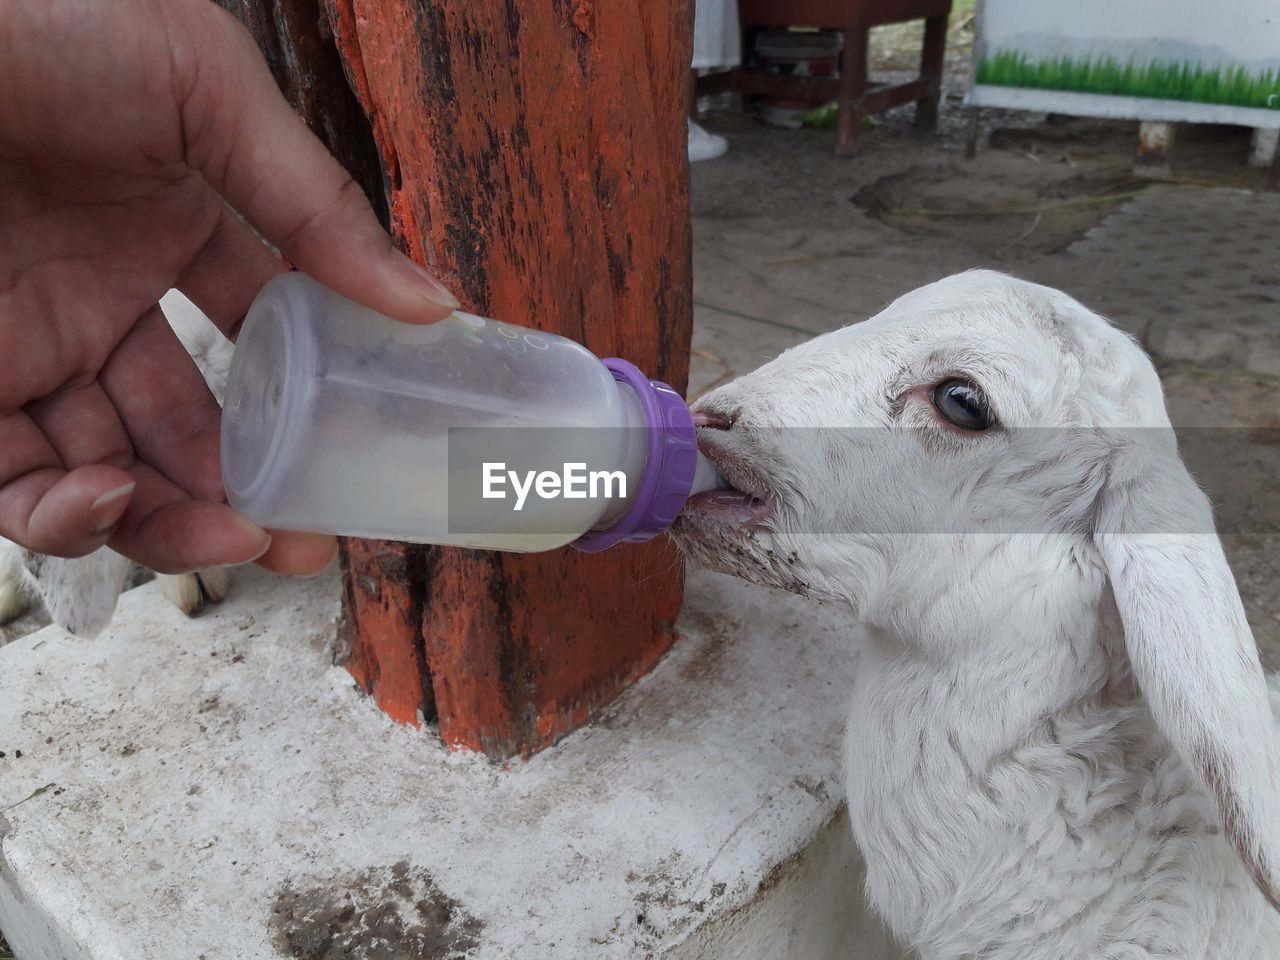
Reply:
x=467, y=432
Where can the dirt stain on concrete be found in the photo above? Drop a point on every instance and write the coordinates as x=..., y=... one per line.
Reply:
x=992, y=202
x=396, y=913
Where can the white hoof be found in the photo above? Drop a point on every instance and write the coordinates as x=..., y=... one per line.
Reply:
x=189, y=592
x=13, y=599
x=215, y=582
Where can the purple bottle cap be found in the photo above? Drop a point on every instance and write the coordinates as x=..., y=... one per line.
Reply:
x=668, y=469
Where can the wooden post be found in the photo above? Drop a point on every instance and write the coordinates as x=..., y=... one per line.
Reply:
x=933, y=55
x=853, y=83
x=534, y=157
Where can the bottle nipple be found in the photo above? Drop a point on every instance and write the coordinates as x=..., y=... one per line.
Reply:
x=706, y=477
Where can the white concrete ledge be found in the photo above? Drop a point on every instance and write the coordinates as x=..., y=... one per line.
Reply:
x=1118, y=107
x=215, y=788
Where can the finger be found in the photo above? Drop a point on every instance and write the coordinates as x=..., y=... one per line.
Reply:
x=65, y=514
x=299, y=554
x=170, y=533
x=166, y=407
x=187, y=535
x=255, y=151
x=229, y=271
x=82, y=426
x=43, y=507
x=166, y=530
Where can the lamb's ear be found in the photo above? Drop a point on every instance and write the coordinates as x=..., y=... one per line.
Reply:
x=1190, y=647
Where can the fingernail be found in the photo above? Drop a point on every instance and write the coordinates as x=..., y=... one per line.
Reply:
x=265, y=548
x=253, y=530
x=106, y=511
x=427, y=285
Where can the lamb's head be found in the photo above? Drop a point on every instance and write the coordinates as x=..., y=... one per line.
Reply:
x=983, y=463
x=973, y=405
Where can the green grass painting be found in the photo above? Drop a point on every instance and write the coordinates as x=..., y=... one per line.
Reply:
x=1234, y=86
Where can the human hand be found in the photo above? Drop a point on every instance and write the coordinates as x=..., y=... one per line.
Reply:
x=127, y=131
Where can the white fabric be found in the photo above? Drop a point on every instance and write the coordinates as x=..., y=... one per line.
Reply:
x=717, y=40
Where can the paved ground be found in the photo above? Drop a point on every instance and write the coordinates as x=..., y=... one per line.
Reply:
x=791, y=241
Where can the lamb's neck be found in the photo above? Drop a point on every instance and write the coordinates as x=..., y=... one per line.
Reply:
x=1025, y=806
x=986, y=698
x=945, y=754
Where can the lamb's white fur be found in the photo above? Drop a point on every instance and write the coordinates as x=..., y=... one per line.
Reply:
x=13, y=598
x=81, y=593
x=1060, y=744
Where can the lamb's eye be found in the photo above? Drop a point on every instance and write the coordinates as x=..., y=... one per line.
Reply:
x=960, y=402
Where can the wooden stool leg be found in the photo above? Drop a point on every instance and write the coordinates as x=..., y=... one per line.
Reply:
x=975, y=128
x=853, y=83
x=931, y=64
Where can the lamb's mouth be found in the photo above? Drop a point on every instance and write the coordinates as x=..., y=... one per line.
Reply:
x=747, y=504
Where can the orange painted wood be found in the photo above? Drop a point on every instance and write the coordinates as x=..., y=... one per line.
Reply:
x=535, y=155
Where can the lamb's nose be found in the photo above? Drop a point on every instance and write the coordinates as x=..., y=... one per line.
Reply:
x=712, y=419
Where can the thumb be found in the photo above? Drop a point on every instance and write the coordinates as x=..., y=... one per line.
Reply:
x=259, y=155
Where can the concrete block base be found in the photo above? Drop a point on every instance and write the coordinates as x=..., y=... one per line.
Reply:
x=217, y=788
x=1262, y=147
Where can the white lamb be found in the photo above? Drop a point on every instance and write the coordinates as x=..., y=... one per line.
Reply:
x=1061, y=743
x=80, y=594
